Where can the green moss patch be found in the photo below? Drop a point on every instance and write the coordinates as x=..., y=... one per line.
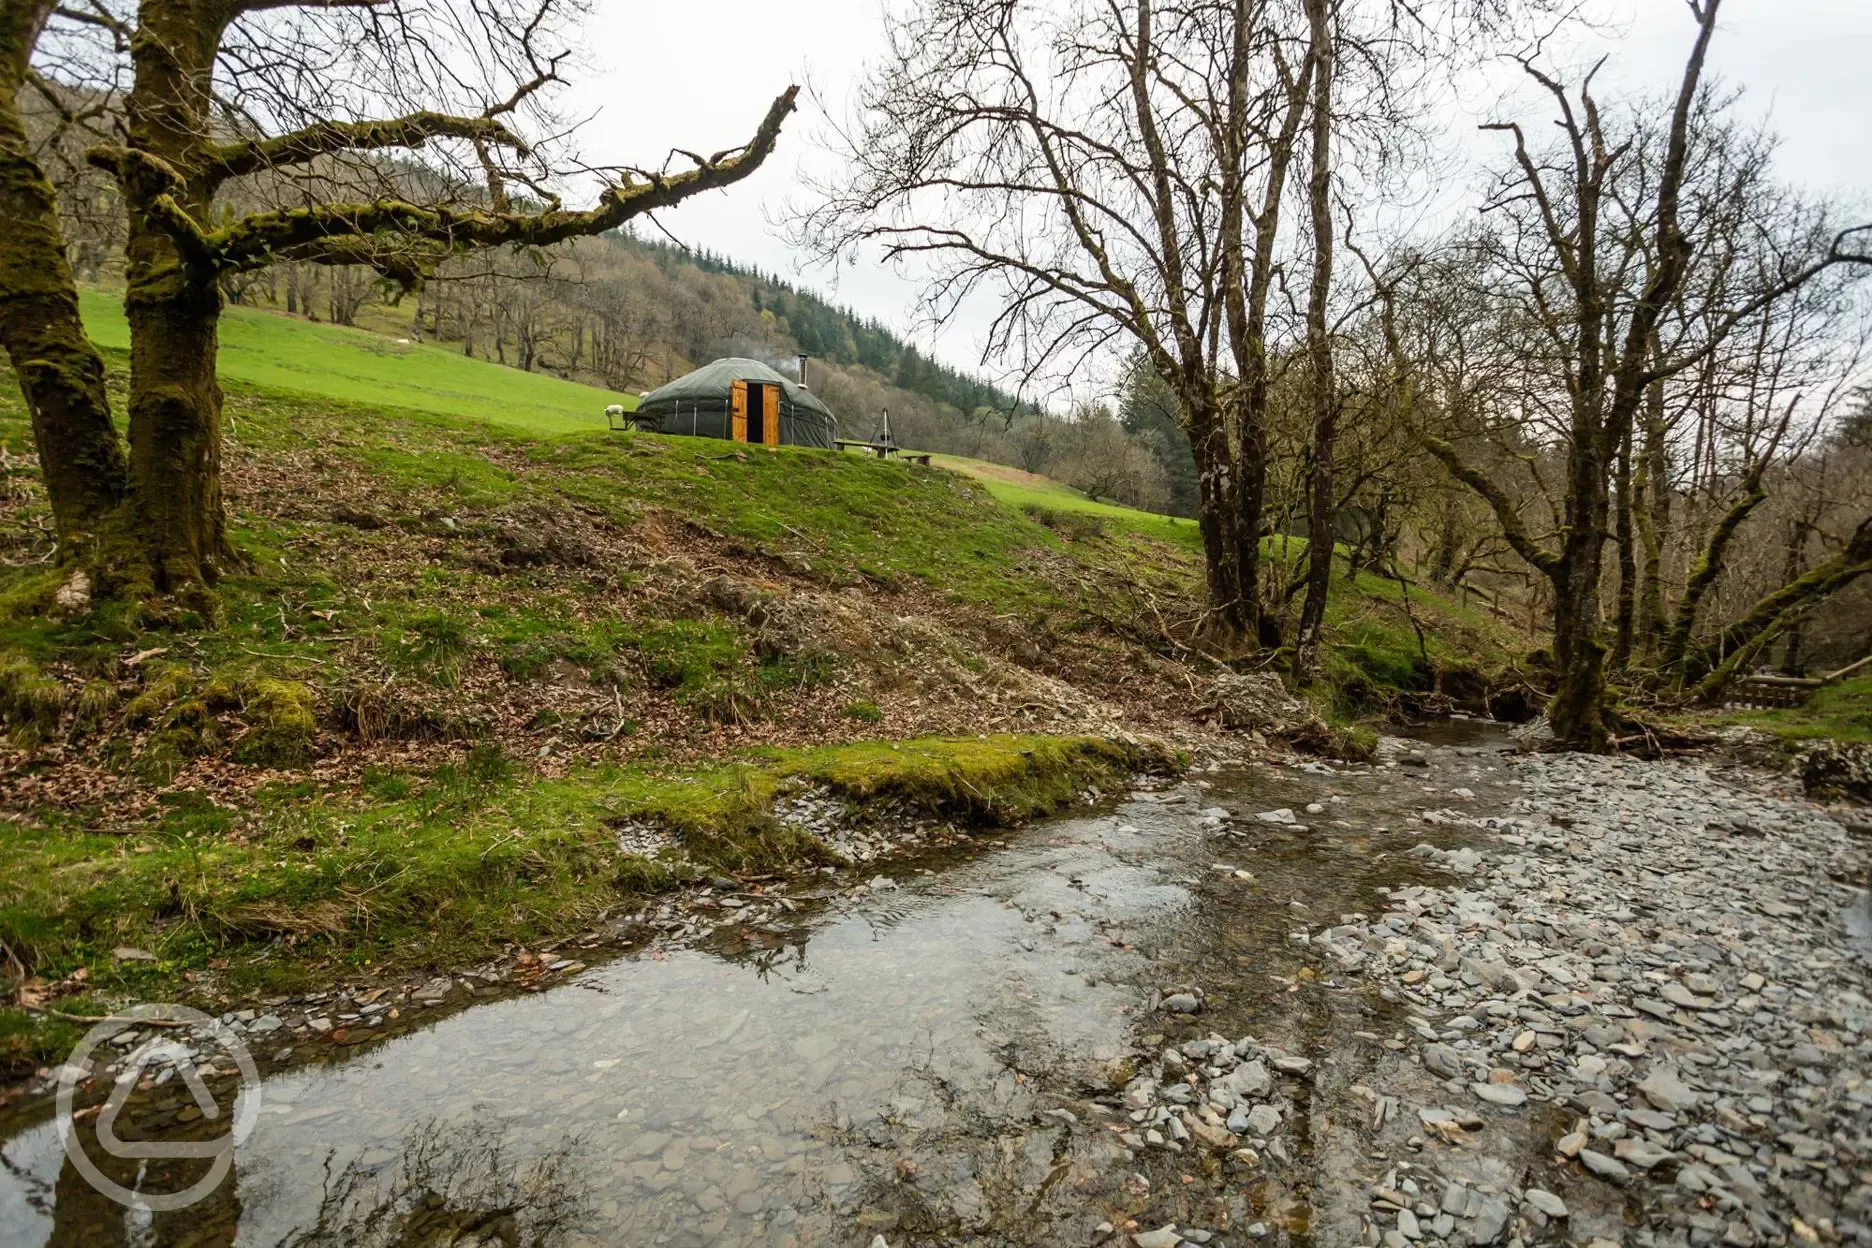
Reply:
x=432, y=869
x=30, y=703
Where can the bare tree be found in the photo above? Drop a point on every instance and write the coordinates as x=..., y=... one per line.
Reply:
x=1596, y=260
x=1110, y=172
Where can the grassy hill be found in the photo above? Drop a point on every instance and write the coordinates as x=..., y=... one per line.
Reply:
x=1040, y=495
x=477, y=631
x=357, y=366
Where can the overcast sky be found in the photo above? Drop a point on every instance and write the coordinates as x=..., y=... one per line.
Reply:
x=698, y=74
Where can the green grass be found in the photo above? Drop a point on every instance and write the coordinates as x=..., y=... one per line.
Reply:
x=356, y=366
x=1842, y=712
x=419, y=869
x=1372, y=646
x=1042, y=494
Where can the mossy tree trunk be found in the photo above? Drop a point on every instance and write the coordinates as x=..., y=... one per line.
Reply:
x=1625, y=540
x=61, y=375
x=1651, y=516
x=1218, y=518
x=174, y=306
x=159, y=518
x=1739, y=643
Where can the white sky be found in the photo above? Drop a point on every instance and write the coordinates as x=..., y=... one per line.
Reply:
x=699, y=74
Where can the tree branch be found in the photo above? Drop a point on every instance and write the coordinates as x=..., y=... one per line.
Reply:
x=259, y=239
x=328, y=138
x=1497, y=498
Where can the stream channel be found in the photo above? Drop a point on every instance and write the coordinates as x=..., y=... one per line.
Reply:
x=939, y=1062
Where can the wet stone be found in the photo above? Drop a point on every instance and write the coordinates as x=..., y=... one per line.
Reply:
x=1506, y=1095
x=1603, y=1166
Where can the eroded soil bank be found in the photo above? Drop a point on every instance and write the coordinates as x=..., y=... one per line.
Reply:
x=1608, y=1000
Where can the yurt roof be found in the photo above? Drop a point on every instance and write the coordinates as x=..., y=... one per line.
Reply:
x=714, y=382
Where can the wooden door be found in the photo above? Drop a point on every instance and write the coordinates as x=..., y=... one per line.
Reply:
x=738, y=429
x=770, y=418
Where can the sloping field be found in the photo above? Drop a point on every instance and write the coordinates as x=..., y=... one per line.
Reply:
x=356, y=366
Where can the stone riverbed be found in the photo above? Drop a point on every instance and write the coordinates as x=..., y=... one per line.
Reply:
x=1455, y=996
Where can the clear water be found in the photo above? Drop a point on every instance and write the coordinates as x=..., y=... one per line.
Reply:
x=894, y=1064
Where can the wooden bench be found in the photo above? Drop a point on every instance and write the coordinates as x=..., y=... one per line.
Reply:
x=1766, y=692
x=884, y=449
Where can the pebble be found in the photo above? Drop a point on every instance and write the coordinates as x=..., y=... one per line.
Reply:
x=1546, y=1202
x=1603, y=1166
x=1604, y=946
x=1504, y=1094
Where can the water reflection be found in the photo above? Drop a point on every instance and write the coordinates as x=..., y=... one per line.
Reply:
x=451, y=1185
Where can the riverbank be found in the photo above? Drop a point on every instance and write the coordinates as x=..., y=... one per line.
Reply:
x=463, y=667
x=385, y=889
x=1663, y=968
x=1448, y=997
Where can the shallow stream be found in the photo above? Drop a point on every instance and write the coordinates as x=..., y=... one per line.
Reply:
x=936, y=1062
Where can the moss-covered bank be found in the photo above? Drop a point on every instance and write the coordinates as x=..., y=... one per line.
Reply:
x=439, y=869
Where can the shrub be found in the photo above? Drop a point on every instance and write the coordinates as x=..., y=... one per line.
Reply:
x=30, y=702
x=434, y=643
x=281, y=721
x=1074, y=526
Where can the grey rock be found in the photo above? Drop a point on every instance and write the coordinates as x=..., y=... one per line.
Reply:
x=1603, y=1166
x=1667, y=1092
x=1679, y=995
x=1491, y=1221
x=1441, y=1059
x=1507, y=1095
x=1546, y=1202
x=1250, y=1079
x=1162, y=1237
x=1181, y=1003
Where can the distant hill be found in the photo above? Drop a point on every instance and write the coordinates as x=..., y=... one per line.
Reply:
x=839, y=335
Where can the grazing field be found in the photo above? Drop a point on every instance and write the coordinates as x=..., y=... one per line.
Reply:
x=357, y=366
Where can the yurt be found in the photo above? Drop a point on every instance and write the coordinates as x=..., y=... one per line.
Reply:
x=742, y=401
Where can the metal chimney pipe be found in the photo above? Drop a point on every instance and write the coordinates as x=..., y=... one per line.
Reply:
x=803, y=357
